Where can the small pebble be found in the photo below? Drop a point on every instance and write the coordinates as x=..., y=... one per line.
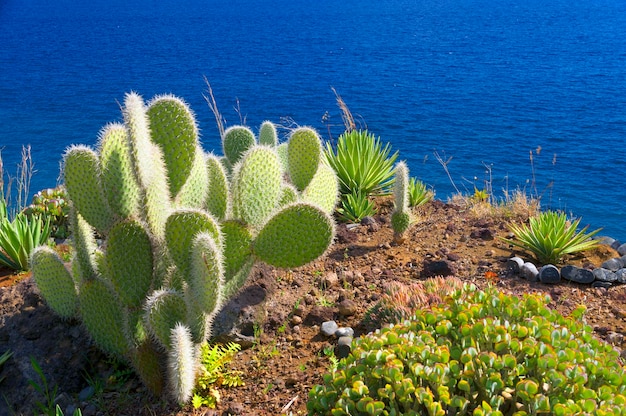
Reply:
x=343, y=347
x=329, y=328
x=344, y=332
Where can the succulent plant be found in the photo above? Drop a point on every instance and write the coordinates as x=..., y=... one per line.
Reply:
x=179, y=235
x=51, y=203
x=478, y=353
x=401, y=217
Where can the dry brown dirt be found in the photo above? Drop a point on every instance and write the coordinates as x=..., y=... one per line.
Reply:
x=287, y=356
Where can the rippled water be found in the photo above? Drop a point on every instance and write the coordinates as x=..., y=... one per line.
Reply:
x=481, y=82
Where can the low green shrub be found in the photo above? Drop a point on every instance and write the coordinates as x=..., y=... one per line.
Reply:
x=51, y=203
x=212, y=374
x=480, y=353
x=550, y=236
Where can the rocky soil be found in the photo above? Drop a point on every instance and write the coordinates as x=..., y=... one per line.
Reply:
x=278, y=315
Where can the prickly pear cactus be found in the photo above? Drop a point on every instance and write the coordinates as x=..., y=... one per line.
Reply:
x=401, y=218
x=181, y=232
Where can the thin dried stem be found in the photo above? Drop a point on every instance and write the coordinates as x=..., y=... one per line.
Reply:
x=210, y=100
x=346, y=115
x=444, y=164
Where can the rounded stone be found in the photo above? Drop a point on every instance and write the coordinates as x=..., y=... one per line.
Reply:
x=343, y=347
x=329, y=328
x=549, y=274
x=621, y=275
x=604, y=285
x=344, y=332
x=621, y=249
x=604, y=275
x=577, y=275
x=613, y=264
x=514, y=264
x=529, y=271
x=347, y=307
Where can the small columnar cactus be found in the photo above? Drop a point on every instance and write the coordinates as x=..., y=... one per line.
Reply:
x=401, y=217
x=180, y=233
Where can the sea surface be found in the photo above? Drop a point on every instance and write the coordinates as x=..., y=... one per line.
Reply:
x=508, y=94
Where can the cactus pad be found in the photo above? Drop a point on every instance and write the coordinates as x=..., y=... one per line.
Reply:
x=174, y=129
x=217, y=200
x=303, y=153
x=237, y=254
x=103, y=316
x=146, y=361
x=267, y=134
x=206, y=272
x=194, y=192
x=323, y=189
x=54, y=282
x=182, y=365
x=129, y=261
x=164, y=308
x=180, y=230
x=237, y=140
x=120, y=186
x=257, y=185
x=82, y=181
x=296, y=235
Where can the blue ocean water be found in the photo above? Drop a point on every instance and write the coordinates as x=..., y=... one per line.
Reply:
x=481, y=83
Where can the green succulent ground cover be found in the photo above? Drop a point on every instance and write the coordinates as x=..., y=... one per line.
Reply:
x=479, y=353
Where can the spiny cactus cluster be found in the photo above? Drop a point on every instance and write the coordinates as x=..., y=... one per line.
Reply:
x=181, y=230
x=401, y=217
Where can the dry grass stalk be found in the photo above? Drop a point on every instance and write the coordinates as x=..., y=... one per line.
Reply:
x=210, y=100
x=346, y=115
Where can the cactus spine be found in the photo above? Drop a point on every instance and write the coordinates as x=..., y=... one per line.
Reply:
x=180, y=234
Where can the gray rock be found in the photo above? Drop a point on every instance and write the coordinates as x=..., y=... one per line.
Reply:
x=621, y=249
x=616, y=244
x=577, y=275
x=529, y=271
x=605, y=240
x=612, y=264
x=344, y=332
x=604, y=285
x=621, y=275
x=514, y=265
x=604, y=275
x=549, y=274
x=329, y=328
x=86, y=393
x=343, y=347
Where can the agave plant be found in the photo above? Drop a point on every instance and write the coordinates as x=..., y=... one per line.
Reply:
x=355, y=206
x=362, y=163
x=419, y=194
x=18, y=239
x=550, y=236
